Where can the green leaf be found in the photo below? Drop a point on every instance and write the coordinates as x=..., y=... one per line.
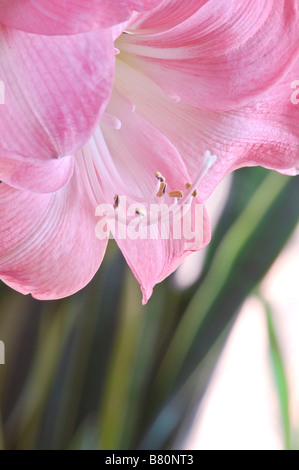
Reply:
x=279, y=373
x=242, y=258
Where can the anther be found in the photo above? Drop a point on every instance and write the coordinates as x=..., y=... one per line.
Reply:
x=162, y=189
x=140, y=211
x=116, y=201
x=176, y=194
x=195, y=192
x=160, y=177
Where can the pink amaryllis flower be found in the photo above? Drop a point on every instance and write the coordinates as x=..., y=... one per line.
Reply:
x=132, y=98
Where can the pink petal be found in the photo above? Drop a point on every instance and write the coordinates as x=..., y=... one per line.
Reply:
x=265, y=132
x=56, y=89
x=223, y=55
x=138, y=151
x=151, y=261
x=39, y=177
x=57, y=17
x=123, y=160
x=47, y=242
x=171, y=13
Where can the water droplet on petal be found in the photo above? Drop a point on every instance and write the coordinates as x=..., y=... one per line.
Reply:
x=111, y=121
x=175, y=98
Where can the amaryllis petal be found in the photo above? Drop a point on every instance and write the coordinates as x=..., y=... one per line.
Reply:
x=56, y=17
x=47, y=242
x=56, y=89
x=222, y=56
x=138, y=151
x=170, y=14
x=264, y=132
x=152, y=260
x=39, y=177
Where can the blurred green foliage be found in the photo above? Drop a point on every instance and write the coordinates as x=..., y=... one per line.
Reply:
x=99, y=371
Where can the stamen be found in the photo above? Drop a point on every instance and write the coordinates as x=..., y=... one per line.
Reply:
x=208, y=161
x=92, y=167
x=162, y=189
x=180, y=201
x=161, y=185
x=176, y=194
x=160, y=177
x=195, y=192
x=141, y=212
x=116, y=201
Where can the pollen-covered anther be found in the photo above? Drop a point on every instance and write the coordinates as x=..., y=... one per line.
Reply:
x=195, y=192
x=160, y=177
x=116, y=201
x=140, y=211
x=176, y=194
x=162, y=189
